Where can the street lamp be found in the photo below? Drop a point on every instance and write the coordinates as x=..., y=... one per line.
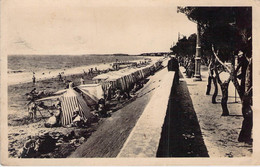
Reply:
x=198, y=56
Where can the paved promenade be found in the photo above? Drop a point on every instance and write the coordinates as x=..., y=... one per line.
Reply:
x=220, y=133
x=145, y=137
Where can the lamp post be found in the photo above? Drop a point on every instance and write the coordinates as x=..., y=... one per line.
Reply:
x=198, y=56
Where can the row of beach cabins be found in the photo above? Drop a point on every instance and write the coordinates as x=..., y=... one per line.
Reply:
x=125, y=79
x=86, y=96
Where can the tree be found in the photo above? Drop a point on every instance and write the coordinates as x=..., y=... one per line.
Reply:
x=227, y=31
x=185, y=47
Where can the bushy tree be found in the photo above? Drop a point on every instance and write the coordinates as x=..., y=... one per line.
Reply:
x=185, y=46
x=227, y=31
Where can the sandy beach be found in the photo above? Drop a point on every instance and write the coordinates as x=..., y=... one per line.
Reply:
x=25, y=77
x=19, y=125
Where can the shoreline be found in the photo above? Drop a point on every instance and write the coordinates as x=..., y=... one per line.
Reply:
x=26, y=77
x=19, y=126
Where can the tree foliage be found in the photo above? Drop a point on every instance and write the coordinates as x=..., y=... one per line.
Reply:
x=228, y=29
x=185, y=46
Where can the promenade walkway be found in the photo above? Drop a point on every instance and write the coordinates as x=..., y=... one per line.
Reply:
x=220, y=133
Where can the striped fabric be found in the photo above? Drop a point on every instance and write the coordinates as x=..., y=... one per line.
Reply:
x=125, y=79
x=69, y=102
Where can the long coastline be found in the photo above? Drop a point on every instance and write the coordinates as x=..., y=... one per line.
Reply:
x=25, y=77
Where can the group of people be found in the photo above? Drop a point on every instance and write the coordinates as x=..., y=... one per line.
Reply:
x=189, y=64
x=30, y=148
x=78, y=120
x=91, y=71
x=54, y=119
x=36, y=145
x=32, y=105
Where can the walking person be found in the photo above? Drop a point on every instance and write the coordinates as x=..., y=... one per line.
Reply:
x=34, y=78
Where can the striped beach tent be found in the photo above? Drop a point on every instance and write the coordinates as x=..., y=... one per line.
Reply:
x=71, y=100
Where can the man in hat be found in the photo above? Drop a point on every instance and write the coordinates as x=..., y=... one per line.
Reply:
x=173, y=65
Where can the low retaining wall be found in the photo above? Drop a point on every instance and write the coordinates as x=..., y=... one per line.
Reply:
x=144, y=139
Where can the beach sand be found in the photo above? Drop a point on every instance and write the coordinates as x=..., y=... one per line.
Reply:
x=19, y=126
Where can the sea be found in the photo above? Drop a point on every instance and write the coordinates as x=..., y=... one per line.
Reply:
x=35, y=63
x=21, y=68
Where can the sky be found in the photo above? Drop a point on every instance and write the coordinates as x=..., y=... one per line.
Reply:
x=93, y=26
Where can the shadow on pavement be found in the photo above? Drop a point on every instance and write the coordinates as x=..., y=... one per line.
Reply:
x=181, y=135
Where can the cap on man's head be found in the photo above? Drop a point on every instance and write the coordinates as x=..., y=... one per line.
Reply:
x=240, y=53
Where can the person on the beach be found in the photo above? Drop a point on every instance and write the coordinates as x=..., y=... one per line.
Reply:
x=51, y=122
x=54, y=119
x=173, y=65
x=82, y=81
x=102, y=107
x=77, y=120
x=108, y=93
x=32, y=108
x=42, y=93
x=33, y=79
x=33, y=91
x=57, y=114
x=85, y=73
x=60, y=77
x=58, y=104
x=118, y=95
x=28, y=148
x=58, y=111
x=64, y=79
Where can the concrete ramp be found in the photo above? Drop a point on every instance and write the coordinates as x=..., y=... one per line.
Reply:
x=144, y=139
